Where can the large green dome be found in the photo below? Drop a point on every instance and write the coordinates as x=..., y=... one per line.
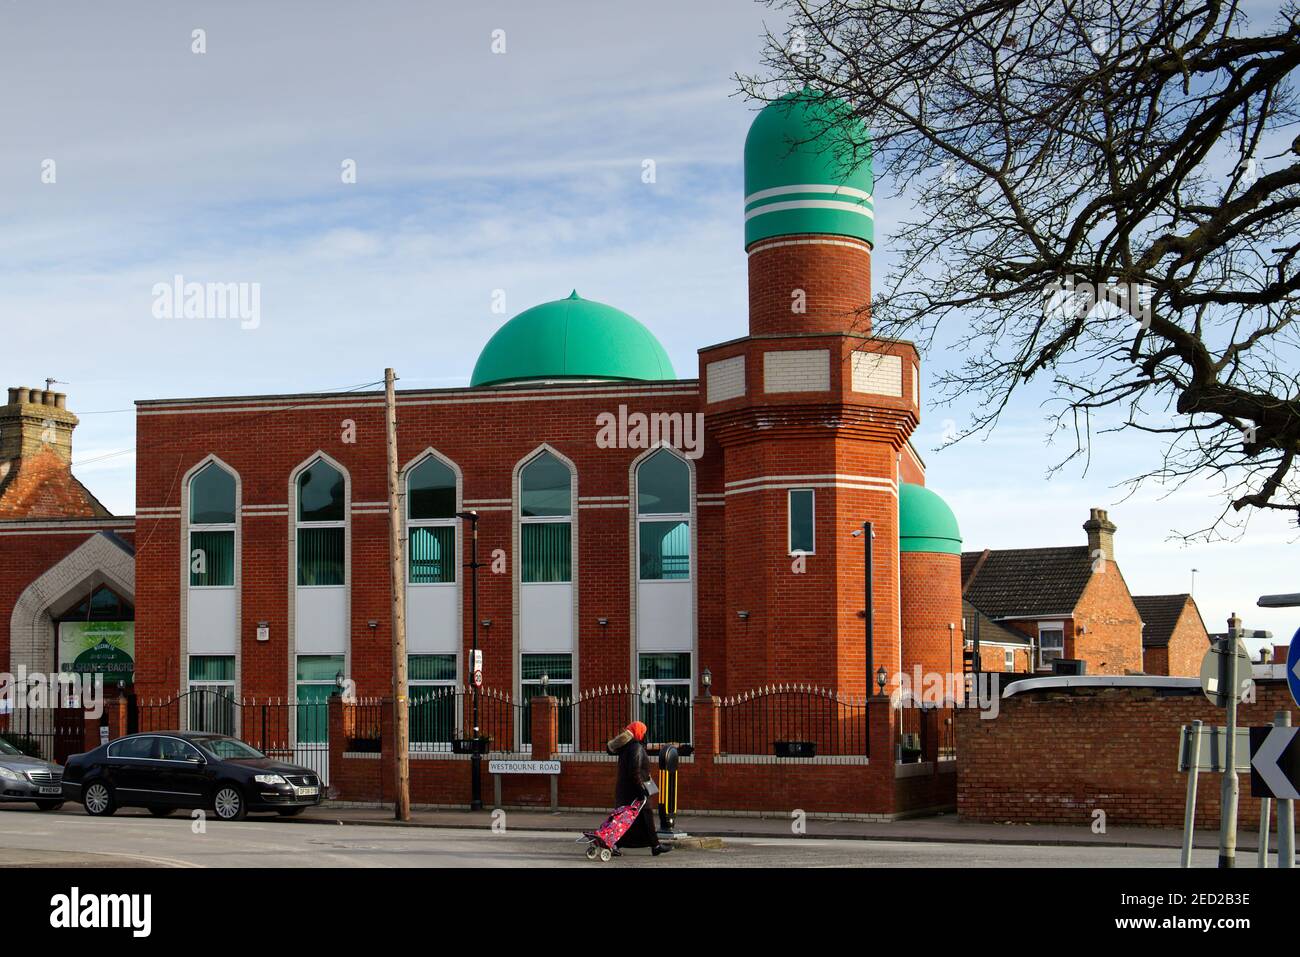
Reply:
x=572, y=338
x=807, y=170
x=925, y=522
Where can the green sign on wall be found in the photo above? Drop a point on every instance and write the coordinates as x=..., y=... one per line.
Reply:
x=98, y=647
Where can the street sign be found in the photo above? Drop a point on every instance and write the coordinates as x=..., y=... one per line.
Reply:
x=1293, y=667
x=1211, y=675
x=1212, y=754
x=476, y=667
x=1275, y=763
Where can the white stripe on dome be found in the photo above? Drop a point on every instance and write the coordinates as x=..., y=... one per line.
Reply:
x=809, y=204
x=807, y=188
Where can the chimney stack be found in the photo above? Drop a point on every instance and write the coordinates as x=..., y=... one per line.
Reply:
x=35, y=421
x=1101, y=535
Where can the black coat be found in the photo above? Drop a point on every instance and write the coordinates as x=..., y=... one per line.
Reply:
x=633, y=773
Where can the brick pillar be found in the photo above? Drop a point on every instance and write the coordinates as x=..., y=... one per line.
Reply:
x=882, y=731
x=544, y=713
x=337, y=738
x=708, y=733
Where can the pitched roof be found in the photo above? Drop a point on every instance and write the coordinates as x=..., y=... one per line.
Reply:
x=1026, y=582
x=989, y=630
x=43, y=486
x=1160, y=614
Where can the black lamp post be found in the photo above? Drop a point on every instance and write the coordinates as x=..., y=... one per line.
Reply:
x=476, y=758
x=868, y=533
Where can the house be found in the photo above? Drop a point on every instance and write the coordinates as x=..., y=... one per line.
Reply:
x=1174, y=638
x=1069, y=602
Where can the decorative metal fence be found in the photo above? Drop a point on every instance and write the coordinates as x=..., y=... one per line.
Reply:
x=48, y=733
x=443, y=714
x=794, y=721
x=601, y=713
x=294, y=731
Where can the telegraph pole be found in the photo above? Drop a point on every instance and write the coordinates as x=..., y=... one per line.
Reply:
x=401, y=713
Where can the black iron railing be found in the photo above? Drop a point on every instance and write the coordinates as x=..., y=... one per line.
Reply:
x=794, y=721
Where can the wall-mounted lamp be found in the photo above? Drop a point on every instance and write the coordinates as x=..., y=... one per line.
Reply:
x=486, y=623
x=743, y=615
x=373, y=623
x=603, y=622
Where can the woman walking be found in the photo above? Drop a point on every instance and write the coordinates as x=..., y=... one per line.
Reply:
x=633, y=779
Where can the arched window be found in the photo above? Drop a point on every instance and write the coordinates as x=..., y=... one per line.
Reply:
x=431, y=523
x=663, y=504
x=545, y=518
x=212, y=528
x=321, y=514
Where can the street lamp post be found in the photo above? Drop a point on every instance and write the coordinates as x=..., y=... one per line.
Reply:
x=476, y=758
x=867, y=533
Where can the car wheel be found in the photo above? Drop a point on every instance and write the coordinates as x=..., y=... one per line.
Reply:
x=290, y=811
x=228, y=803
x=158, y=811
x=49, y=805
x=98, y=799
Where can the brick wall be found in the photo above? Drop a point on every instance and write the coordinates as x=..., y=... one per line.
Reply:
x=1107, y=629
x=1055, y=757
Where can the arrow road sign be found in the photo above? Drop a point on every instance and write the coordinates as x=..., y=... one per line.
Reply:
x=1293, y=667
x=1274, y=763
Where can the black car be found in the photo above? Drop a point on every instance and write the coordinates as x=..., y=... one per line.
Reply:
x=166, y=770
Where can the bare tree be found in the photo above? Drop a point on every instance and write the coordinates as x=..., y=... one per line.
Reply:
x=1105, y=199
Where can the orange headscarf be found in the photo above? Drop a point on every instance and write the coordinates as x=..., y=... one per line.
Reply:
x=638, y=730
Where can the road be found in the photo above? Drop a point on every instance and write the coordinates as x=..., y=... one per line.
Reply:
x=70, y=838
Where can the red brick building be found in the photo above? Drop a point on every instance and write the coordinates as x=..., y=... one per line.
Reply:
x=1070, y=602
x=67, y=572
x=1174, y=637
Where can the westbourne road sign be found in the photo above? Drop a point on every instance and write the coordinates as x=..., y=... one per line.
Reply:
x=1275, y=763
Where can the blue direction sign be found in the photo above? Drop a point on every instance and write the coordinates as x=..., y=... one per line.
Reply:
x=1293, y=667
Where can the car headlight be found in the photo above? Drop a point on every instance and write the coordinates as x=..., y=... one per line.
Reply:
x=269, y=779
x=10, y=775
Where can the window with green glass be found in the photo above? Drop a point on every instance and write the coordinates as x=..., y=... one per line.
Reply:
x=320, y=556
x=433, y=702
x=558, y=670
x=665, y=551
x=212, y=668
x=212, y=528
x=317, y=681
x=802, y=509
x=547, y=552
x=665, y=707
x=212, y=496
x=663, y=485
x=544, y=488
x=431, y=554
x=431, y=491
x=212, y=558
x=321, y=493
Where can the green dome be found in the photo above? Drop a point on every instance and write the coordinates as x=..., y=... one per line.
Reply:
x=925, y=522
x=807, y=170
x=572, y=338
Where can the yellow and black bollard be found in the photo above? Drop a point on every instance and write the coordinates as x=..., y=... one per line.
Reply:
x=668, y=755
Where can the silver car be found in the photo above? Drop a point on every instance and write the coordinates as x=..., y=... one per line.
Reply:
x=24, y=778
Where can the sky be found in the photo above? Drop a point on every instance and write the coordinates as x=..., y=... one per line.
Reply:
x=482, y=178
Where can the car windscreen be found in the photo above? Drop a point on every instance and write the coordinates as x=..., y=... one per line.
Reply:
x=7, y=748
x=226, y=748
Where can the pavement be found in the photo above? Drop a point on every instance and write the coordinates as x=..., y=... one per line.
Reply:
x=938, y=829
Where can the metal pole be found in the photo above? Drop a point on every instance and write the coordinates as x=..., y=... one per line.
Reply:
x=1189, y=816
x=476, y=759
x=1265, y=809
x=1230, y=785
x=868, y=614
x=1285, y=812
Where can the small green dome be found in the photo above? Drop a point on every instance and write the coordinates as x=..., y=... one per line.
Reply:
x=572, y=338
x=925, y=522
x=807, y=169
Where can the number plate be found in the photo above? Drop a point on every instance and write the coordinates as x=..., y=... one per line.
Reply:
x=306, y=792
x=50, y=789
